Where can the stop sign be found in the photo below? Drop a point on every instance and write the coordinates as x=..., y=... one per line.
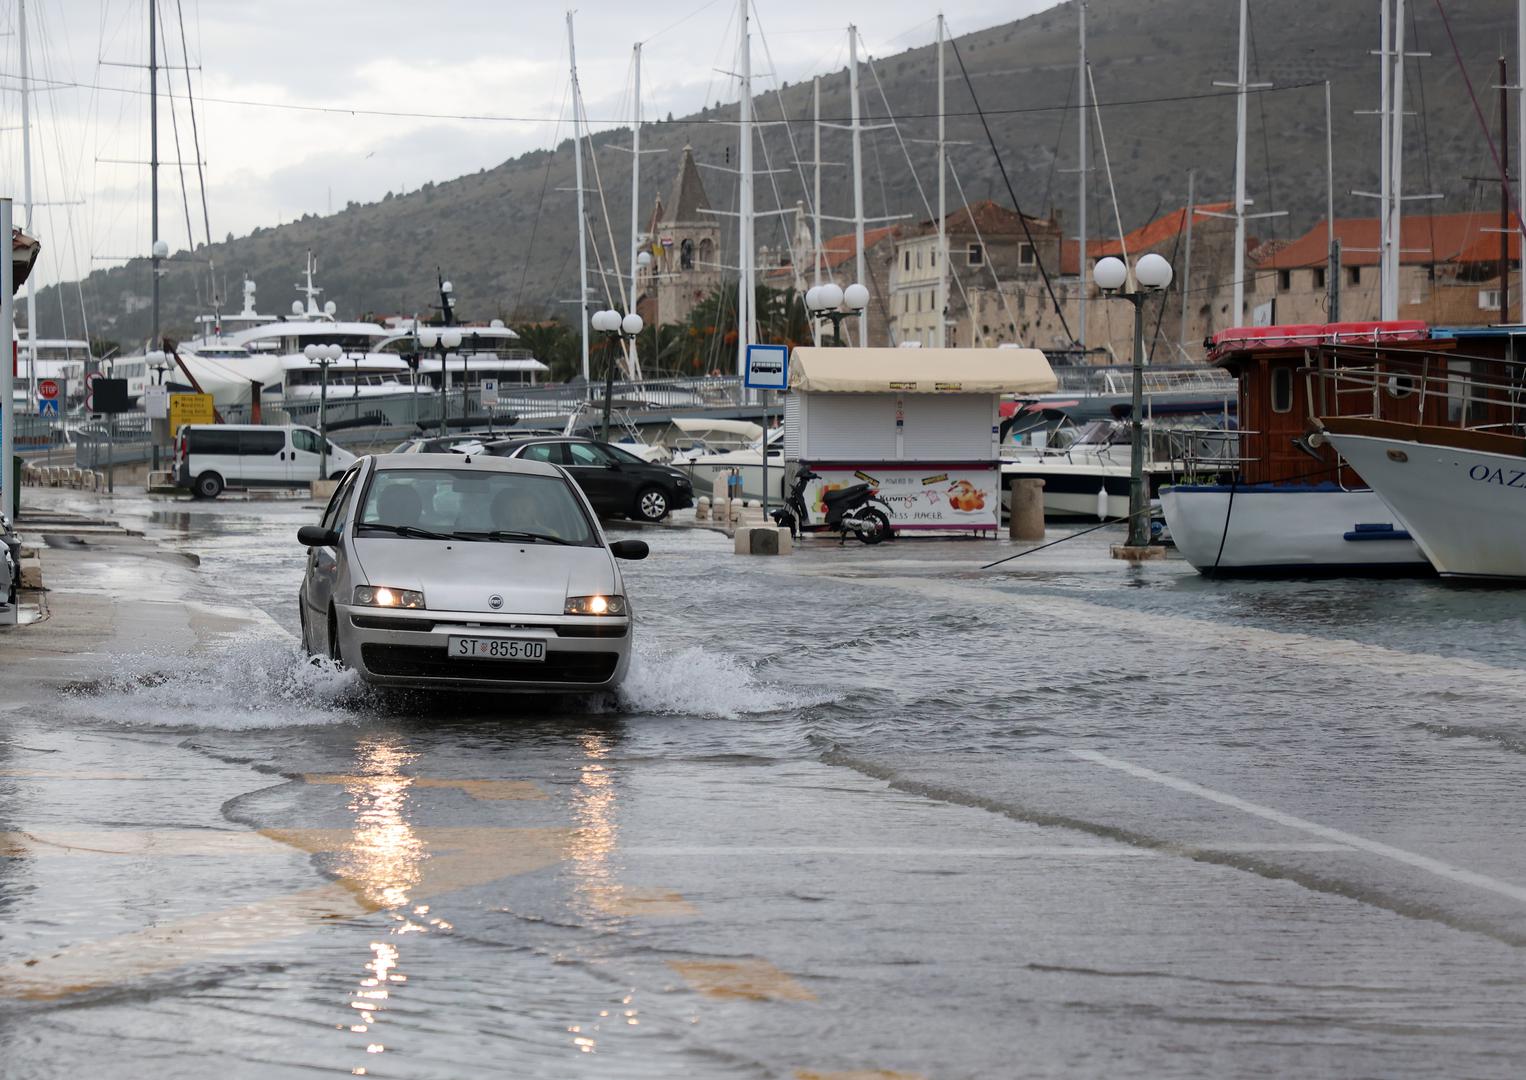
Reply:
x=47, y=389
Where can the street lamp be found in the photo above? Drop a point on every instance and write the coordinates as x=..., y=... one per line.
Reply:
x=833, y=302
x=323, y=356
x=443, y=340
x=157, y=361
x=1152, y=273
x=617, y=327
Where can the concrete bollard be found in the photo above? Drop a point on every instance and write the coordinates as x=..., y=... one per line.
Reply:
x=1025, y=519
x=702, y=508
x=763, y=540
x=323, y=490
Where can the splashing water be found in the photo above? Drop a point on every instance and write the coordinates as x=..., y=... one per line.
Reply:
x=696, y=682
x=247, y=685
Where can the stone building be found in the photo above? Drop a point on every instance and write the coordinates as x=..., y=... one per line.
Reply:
x=1448, y=272
x=989, y=247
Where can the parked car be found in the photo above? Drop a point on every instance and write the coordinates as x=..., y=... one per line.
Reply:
x=211, y=457
x=617, y=482
x=482, y=572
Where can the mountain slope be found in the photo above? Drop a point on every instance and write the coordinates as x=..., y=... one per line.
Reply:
x=381, y=257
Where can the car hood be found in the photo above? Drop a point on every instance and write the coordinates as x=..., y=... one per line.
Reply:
x=532, y=579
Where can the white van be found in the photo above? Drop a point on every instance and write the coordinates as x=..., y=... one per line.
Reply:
x=210, y=457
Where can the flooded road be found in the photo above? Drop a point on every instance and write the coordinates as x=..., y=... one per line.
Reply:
x=859, y=812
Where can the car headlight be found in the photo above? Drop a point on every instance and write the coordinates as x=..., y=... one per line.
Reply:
x=595, y=605
x=382, y=596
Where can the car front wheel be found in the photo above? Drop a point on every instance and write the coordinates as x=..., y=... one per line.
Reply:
x=652, y=504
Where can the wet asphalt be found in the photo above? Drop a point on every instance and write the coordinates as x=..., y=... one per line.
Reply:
x=858, y=812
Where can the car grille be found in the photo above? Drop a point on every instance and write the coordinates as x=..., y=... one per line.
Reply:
x=425, y=626
x=423, y=662
x=382, y=622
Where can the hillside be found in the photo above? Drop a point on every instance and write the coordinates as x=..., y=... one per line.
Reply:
x=381, y=257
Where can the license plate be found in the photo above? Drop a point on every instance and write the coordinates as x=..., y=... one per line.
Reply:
x=495, y=648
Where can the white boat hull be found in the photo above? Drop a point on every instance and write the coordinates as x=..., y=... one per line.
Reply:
x=1458, y=503
x=1287, y=530
x=1071, y=488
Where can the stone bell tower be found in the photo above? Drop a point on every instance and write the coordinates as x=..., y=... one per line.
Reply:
x=685, y=246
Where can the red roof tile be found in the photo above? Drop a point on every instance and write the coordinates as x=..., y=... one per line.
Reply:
x=1141, y=239
x=1424, y=239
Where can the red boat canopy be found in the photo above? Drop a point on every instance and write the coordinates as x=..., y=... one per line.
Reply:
x=1248, y=338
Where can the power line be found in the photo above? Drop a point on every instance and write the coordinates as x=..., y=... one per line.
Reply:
x=342, y=110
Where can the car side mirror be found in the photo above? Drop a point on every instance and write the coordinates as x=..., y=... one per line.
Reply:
x=629, y=549
x=317, y=536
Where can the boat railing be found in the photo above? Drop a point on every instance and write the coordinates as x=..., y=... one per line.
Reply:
x=1195, y=454
x=1099, y=381
x=1476, y=393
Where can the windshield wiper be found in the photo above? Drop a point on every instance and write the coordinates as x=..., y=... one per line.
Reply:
x=406, y=530
x=509, y=535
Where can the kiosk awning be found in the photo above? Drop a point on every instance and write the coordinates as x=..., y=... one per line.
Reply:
x=921, y=371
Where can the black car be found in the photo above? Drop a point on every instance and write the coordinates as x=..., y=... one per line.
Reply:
x=617, y=482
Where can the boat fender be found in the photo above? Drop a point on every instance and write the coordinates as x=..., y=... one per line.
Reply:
x=1102, y=503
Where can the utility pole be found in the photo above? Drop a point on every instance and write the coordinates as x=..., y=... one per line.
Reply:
x=577, y=156
x=941, y=339
x=860, y=270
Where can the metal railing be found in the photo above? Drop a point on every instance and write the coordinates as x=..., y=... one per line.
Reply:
x=1100, y=381
x=1439, y=388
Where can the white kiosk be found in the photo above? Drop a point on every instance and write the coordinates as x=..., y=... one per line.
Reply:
x=919, y=424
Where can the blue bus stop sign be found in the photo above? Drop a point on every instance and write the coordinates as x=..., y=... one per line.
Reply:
x=767, y=367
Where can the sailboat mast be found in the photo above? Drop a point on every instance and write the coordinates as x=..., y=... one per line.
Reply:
x=153, y=161
x=1385, y=198
x=1081, y=173
x=1237, y=313
x=26, y=196
x=1396, y=173
x=820, y=253
x=631, y=364
x=940, y=338
x=577, y=157
x=745, y=291
x=859, y=271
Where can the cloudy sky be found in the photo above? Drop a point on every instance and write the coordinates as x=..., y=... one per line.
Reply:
x=263, y=71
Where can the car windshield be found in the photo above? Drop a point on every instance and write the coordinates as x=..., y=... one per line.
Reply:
x=473, y=504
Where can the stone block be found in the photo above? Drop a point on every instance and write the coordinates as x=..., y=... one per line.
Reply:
x=763, y=540
x=31, y=573
x=323, y=490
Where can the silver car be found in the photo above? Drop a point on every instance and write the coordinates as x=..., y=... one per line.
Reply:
x=466, y=571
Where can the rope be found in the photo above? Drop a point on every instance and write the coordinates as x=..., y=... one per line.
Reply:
x=1061, y=540
x=1016, y=206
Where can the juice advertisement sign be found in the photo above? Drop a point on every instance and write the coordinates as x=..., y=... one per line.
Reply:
x=919, y=496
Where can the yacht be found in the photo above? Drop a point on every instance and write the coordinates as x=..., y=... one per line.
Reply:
x=1441, y=437
x=1276, y=501
x=705, y=468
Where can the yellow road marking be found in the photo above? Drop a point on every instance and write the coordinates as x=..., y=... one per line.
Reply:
x=623, y=900
x=749, y=980
x=493, y=790
x=69, y=774
x=64, y=842
x=449, y=859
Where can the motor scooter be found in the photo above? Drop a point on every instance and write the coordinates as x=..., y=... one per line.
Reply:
x=851, y=511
